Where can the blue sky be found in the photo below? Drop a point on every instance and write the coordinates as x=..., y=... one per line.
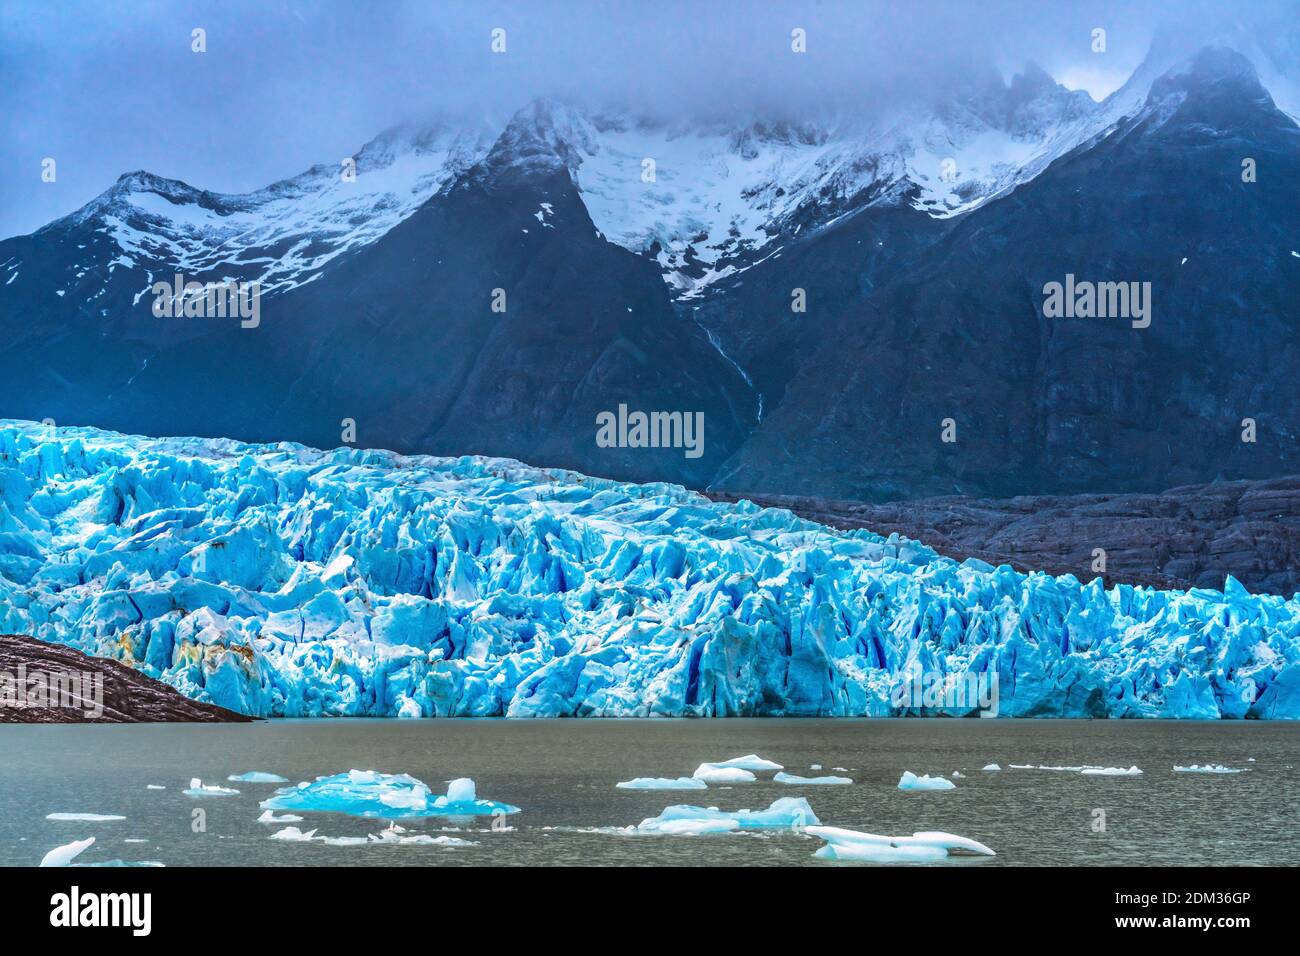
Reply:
x=106, y=87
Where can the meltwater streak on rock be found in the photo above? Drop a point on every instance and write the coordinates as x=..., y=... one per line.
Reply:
x=282, y=580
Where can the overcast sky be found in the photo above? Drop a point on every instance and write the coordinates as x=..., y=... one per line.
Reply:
x=105, y=87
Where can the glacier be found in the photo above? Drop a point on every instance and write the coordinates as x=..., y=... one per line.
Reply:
x=280, y=580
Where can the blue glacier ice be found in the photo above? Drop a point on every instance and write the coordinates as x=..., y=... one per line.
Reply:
x=256, y=776
x=279, y=580
x=911, y=782
x=787, y=813
x=368, y=793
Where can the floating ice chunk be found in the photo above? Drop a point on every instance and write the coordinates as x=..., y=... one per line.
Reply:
x=910, y=781
x=663, y=783
x=1110, y=772
x=393, y=836
x=367, y=793
x=117, y=863
x=1091, y=770
x=717, y=775
x=154, y=786
x=1207, y=768
x=268, y=816
x=198, y=788
x=63, y=855
x=750, y=762
x=785, y=813
x=815, y=766
x=795, y=779
x=84, y=817
x=957, y=775
x=257, y=776
x=925, y=846
x=991, y=767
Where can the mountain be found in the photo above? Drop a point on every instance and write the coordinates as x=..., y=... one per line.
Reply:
x=1064, y=404
x=653, y=265
x=278, y=580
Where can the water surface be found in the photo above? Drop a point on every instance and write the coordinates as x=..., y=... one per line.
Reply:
x=562, y=774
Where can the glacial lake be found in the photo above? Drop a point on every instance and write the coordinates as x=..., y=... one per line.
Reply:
x=562, y=773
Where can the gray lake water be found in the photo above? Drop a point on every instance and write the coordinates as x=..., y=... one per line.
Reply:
x=562, y=775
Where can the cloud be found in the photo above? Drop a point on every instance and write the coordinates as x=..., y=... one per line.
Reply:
x=107, y=88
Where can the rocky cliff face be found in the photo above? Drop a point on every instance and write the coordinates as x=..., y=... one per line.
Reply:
x=85, y=688
x=1193, y=536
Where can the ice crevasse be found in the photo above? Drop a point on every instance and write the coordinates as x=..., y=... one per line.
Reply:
x=280, y=580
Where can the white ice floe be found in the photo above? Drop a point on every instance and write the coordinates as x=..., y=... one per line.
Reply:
x=991, y=767
x=1207, y=768
x=910, y=781
x=63, y=855
x=750, y=762
x=154, y=786
x=1091, y=770
x=720, y=775
x=84, y=817
x=815, y=766
x=257, y=776
x=663, y=783
x=789, y=813
x=268, y=816
x=1110, y=772
x=922, y=847
x=198, y=788
x=393, y=836
x=795, y=779
x=957, y=775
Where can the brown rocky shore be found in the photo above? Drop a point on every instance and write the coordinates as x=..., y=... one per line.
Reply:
x=1190, y=536
x=44, y=683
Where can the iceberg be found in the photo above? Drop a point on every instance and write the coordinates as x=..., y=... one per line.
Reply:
x=367, y=793
x=198, y=788
x=662, y=783
x=924, y=847
x=393, y=836
x=1207, y=768
x=64, y=855
x=1090, y=770
x=991, y=767
x=723, y=775
x=283, y=581
x=268, y=816
x=795, y=779
x=84, y=817
x=788, y=813
x=750, y=762
x=910, y=781
x=257, y=776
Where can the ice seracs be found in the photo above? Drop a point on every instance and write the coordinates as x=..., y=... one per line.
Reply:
x=278, y=580
x=924, y=847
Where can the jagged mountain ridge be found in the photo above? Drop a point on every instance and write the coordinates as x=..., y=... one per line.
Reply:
x=844, y=210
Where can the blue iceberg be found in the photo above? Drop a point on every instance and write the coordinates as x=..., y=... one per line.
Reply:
x=368, y=793
x=279, y=580
x=787, y=813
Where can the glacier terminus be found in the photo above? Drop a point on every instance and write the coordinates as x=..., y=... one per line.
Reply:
x=279, y=580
